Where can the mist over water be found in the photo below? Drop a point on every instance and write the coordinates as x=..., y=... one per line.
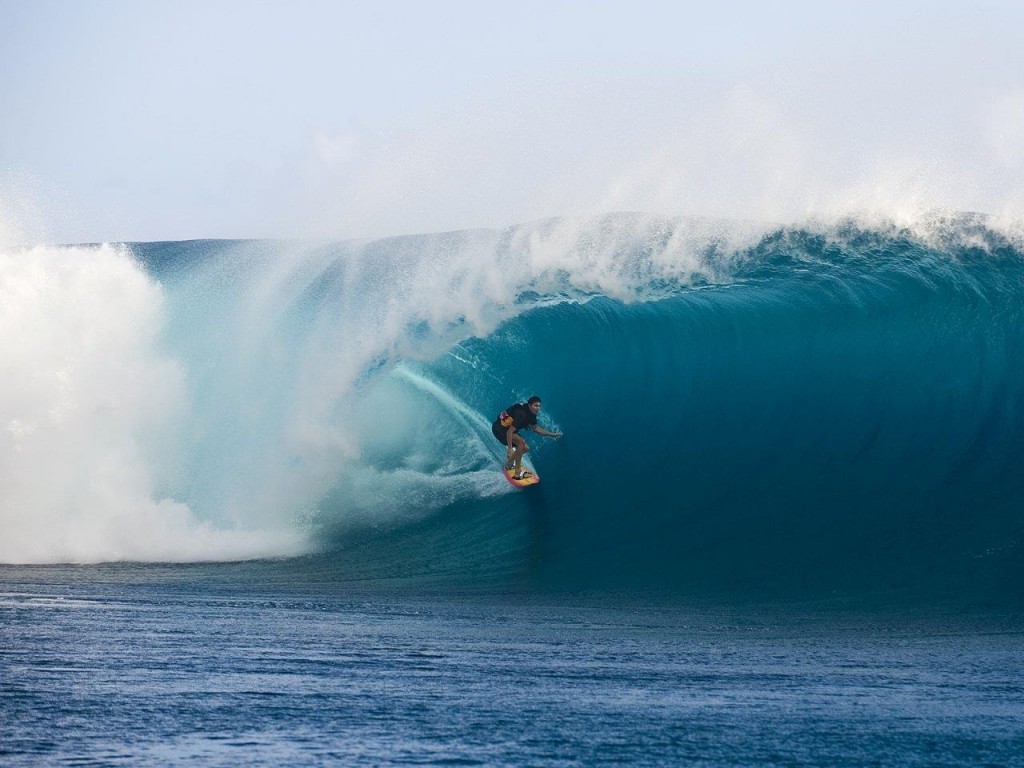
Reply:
x=91, y=404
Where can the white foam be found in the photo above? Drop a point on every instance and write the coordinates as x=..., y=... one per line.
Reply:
x=88, y=408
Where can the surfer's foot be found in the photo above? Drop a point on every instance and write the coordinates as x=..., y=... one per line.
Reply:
x=524, y=474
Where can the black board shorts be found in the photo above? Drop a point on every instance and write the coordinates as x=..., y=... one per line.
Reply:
x=500, y=432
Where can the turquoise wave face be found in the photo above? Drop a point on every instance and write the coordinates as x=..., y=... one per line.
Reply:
x=839, y=416
x=791, y=410
x=839, y=426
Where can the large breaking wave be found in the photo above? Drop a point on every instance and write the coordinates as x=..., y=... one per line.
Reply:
x=835, y=407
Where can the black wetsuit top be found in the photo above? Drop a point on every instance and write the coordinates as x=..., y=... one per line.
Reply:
x=522, y=418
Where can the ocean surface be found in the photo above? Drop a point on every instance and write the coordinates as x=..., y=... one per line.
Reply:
x=251, y=511
x=204, y=665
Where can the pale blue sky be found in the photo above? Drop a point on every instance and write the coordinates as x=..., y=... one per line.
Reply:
x=169, y=120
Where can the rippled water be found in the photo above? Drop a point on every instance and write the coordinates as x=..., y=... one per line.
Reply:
x=158, y=665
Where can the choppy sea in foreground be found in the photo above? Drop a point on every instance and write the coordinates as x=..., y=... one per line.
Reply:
x=201, y=665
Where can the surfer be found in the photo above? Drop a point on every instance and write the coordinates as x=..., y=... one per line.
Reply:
x=506, y=429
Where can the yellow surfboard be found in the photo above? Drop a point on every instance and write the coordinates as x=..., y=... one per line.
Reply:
x=530, y=479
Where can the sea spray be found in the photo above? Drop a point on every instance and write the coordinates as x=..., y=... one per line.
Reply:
x=91, y=405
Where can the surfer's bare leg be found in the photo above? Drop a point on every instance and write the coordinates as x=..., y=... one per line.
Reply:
x=520, y=448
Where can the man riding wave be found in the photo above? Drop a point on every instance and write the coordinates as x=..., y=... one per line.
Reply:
x=506, y=429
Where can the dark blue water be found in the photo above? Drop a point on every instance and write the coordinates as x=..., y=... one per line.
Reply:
x=842, y=414
x=200, y=665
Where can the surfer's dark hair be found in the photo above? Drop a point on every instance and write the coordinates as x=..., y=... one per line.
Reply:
x=533, y=400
